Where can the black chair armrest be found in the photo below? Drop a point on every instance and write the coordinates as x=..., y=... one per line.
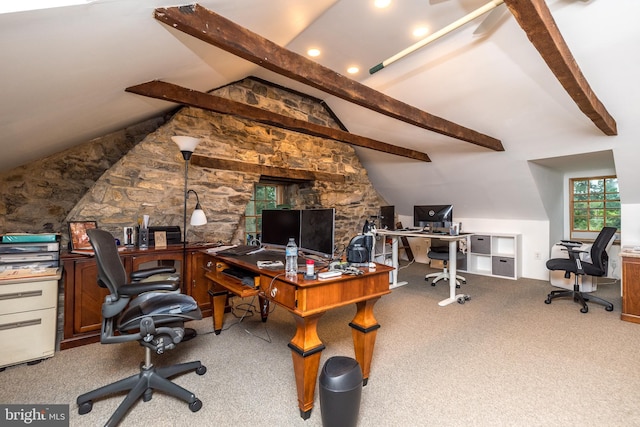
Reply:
x=131, y=289
x=148, y=272
x=570, y=243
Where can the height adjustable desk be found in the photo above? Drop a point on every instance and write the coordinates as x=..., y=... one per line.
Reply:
x=307, y=301
x=452, y=263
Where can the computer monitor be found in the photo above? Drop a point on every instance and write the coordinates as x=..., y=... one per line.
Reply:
x=317, y=230
x=433, y=216
x=278, y=225
x=387, y=217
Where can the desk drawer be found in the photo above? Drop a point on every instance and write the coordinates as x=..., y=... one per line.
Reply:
x=27, y=336
x=280, y=292
x=18, y=297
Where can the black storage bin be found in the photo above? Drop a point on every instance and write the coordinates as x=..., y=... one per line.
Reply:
x=340, y=392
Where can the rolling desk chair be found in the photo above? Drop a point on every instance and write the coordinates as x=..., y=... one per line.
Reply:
x=147, y=312
x=442, y=253
x=597, y=267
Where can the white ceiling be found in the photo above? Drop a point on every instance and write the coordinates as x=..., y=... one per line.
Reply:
x=64, y=72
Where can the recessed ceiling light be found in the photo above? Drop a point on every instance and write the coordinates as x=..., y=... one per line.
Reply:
x=353, y=70
x=313, y=52
x=420, y=31
x=381, y=3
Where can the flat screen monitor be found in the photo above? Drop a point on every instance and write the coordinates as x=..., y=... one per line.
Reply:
x=317, y=229
x=432, y=215
x=387, y=217
x=278, y=225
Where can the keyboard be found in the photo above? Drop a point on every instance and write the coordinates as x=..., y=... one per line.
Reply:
x=239, y=250
x=246, y=277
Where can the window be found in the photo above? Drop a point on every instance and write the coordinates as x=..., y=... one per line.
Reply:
x=265, y=196
x=595, y=203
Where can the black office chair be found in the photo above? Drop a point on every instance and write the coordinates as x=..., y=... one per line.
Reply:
x=151, y=313
x=442, y=253
x=597, y=267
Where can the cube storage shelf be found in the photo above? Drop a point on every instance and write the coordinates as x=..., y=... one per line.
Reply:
x=494, y=255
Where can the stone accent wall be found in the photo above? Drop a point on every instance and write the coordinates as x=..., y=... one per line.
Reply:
x=37, y=197
x=149, y=178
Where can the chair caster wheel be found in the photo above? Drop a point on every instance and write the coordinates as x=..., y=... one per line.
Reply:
x=609, y=307
x=433, y=283
x=147, y=395
x=547, y=301
x=584, y=310
x=196, y=405
x=201, y=370
x=85, y=408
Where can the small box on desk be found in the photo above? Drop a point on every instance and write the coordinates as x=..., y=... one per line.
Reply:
x=174, y=237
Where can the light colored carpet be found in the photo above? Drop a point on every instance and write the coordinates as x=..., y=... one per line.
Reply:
x=502, y=359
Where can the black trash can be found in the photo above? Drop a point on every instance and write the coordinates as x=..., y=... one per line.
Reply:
x=340, y=392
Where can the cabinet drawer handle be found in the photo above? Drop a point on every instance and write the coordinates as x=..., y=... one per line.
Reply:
x=22, y=324
x=16, y=295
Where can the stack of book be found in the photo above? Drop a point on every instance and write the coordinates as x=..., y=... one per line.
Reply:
x=29, y=255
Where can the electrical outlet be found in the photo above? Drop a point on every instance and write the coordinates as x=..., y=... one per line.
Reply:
x=537, y=256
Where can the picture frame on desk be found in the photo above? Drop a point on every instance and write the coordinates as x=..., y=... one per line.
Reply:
x=78, y=238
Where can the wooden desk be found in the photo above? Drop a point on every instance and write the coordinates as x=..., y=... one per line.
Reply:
x=307, y=301
x=83, y=297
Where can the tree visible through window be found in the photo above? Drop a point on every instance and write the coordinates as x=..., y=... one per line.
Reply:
x=595, y=203
x=265, y=196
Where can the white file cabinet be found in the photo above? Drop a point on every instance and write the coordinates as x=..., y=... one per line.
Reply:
x=28, y=319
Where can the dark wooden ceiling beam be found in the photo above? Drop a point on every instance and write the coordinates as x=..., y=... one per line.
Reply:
x=218, y=31
x=535, y=19
x=174, y=93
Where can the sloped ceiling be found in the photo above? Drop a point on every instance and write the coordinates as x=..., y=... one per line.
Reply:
x=65, y=70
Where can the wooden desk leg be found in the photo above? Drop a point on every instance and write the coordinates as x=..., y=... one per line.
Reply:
x=218, y=303
x=306, y=349
x=364, y=330
x=264, y=308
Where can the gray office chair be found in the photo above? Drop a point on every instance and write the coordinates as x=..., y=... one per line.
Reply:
x=151, y=313
x=597, y=267
x=442, y=253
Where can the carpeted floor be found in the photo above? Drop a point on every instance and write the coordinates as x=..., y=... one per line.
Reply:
x=504, y=358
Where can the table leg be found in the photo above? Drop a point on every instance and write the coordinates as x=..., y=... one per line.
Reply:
x=453, y=261
x=306, y=349
x=364, y=330
x=395, y=263
x=218, y=304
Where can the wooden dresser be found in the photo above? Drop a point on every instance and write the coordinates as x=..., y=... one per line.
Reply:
x=630, y=286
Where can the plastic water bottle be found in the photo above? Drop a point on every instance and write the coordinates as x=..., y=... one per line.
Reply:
x=291, y=259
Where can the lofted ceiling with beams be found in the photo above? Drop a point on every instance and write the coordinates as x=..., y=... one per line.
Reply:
x=65, y=71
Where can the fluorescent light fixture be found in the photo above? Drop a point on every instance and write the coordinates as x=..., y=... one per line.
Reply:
x=24, y=5
x=313, y=52
x=353, y=70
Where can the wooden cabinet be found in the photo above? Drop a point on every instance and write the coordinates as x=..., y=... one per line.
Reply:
x=630, y=287
x=83, y=297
